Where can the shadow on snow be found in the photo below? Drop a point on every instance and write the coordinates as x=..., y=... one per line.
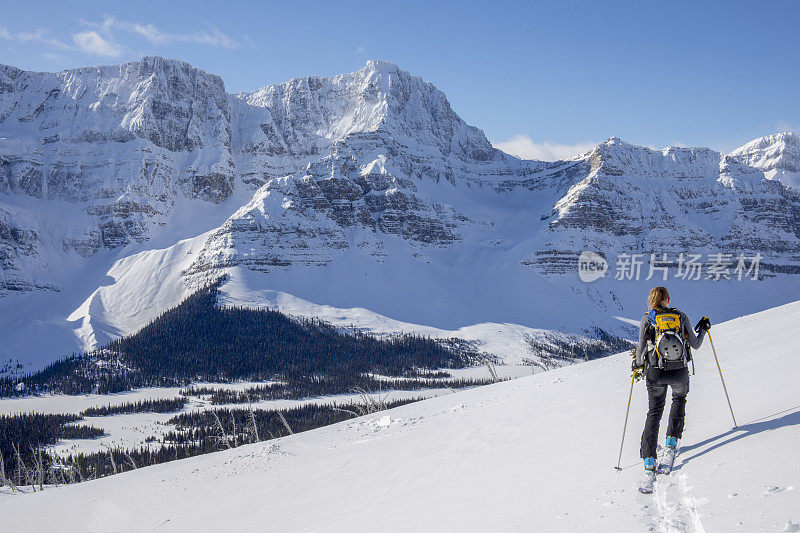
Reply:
x=767, y=423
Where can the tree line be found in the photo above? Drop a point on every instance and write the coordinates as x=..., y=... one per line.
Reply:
x=316, y=386
x=161, y=405
x=199, y=340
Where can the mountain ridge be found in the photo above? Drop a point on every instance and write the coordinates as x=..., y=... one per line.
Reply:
x=342, y=192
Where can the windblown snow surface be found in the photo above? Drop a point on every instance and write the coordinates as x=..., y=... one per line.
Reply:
x=531, y=454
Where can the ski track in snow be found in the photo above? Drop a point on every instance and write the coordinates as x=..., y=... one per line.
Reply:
x=676, y=507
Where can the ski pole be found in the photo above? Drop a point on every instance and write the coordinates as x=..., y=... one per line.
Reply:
x=625, y=426
x=723, y=379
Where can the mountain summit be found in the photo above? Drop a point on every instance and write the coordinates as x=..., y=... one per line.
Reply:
x=379, y=104
x=777, y=155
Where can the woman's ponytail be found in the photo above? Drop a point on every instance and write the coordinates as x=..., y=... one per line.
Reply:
x=656, y=296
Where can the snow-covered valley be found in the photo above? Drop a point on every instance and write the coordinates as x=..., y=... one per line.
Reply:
x=133, y=430
x=534, y=453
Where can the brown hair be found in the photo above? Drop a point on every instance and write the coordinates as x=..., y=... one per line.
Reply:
x=656, y=296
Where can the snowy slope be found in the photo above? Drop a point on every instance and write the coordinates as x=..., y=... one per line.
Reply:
x=535, y=453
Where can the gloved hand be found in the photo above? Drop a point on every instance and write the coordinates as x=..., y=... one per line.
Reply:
x=637, y=371
x=703, y=325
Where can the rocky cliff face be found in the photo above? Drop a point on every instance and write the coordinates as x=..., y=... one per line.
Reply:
x=379, y=107
x=22, y=259
x=638, y=200
x=332, y=205
x=122, y=142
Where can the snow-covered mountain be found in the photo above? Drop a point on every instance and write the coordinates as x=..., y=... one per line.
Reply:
x=120, y=141
x=777, y=155
x=362, y=196
x=534, y=453
x=636, y=199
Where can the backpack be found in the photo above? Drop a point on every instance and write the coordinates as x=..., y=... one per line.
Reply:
x=668, y=345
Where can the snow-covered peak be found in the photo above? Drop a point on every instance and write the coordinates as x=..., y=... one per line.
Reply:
x=777, y=155
x=166, y=101
x=380, y=65
x=146, y=70
x=615, y=157
x=158, y=63
x=776, y=144
x=118, y=144
x=616, y=146
x=379, y=98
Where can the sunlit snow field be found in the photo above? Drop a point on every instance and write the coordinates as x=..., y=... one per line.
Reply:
x=534, y=453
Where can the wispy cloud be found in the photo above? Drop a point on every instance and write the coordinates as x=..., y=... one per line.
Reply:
x=93, y=43
x=523, y=146
x=41, y=36
x=104, y=38
x=211, y=36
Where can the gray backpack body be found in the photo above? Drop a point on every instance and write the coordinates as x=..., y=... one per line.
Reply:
x=667, y=348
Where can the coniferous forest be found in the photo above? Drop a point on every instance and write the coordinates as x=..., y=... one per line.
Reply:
x=200, y=341
x=163, y=405
x=23, y=437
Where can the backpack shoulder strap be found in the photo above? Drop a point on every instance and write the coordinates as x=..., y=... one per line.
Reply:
x=679, y=313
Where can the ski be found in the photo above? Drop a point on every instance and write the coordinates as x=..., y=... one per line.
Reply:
x=666, y=458
x=666, y=461
x=648, y=481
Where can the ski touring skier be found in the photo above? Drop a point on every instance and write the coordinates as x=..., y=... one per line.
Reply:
x=662, y=355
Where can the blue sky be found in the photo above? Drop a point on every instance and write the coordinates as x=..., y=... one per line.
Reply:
x=540, y=78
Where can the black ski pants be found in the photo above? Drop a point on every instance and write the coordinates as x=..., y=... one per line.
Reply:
x=657, y=382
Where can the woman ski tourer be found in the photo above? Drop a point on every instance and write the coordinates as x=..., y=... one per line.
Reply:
x=665, y=342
